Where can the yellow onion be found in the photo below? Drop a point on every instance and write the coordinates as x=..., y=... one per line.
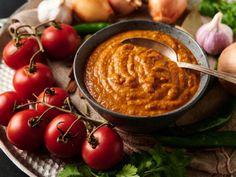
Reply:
x=167, y=11
x=92, y=10
x=227, y=63
x=125, y=7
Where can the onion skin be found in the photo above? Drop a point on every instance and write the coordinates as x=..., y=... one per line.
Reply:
x=227, y=63
x=167, y=11
x=125, y=7
x=92, y=10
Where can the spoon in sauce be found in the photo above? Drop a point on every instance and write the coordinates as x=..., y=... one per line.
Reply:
x=171, y=54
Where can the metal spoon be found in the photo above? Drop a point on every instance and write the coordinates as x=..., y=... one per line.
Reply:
x=171, y=54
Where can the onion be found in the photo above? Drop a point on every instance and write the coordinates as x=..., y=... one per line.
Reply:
x=92, y=10
x=125, y=7
x=227, y=63
x=167, y=11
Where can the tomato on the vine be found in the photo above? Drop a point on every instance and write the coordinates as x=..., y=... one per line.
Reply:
x=60, y=41
x=8, y=106
x=24, y=131
x=32, y=79
x=65, y=135
x=18, y=54
x=54, y=96
x=103, y=149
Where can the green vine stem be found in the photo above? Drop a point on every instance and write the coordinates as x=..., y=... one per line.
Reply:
x=79, y=115
x=91, y=138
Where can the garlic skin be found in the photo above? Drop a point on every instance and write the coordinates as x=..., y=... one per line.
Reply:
x=166, y=11
x=214, y=36
x=58, y=10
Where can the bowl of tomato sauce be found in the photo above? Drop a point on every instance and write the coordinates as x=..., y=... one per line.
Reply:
x=137, y=88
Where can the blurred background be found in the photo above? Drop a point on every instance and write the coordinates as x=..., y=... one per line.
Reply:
x=7, y=7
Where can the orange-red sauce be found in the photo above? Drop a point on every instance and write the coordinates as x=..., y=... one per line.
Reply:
x=138, y=81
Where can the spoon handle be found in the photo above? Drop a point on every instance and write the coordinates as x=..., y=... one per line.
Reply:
x=222, y=75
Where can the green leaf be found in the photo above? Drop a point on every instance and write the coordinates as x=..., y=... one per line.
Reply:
x=178, y=162
x=157, y=162
x=70, y=170
x=211, y=7
x=143, y=161
x=157, y=154
x=128, y=171
x=85, y=170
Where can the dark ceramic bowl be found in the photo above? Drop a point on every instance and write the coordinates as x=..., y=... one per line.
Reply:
x=137, y=123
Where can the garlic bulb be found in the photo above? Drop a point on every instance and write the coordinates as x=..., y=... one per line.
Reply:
x=214, y=36
x=57, y=10
x=167, y=11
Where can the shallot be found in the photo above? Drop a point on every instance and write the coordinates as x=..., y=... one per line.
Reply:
x=124, y=7
x=227, y=63
x=167, y=11
x=92, y=10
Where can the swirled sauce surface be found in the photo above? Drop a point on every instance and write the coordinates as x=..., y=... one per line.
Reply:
x=138, y=81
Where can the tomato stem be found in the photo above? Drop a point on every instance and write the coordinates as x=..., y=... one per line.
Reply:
x=32, y=67
x=56, y=25
x=49, y=91
x=61, y=138
x=26, y=104
x=43, y=114
x=15, y=107
x=34, y=122
x=81, y=115
x=22, y=26
x=92, y=140
x=65, y=136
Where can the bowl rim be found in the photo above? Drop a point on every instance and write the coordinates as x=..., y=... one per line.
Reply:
x=179, y=110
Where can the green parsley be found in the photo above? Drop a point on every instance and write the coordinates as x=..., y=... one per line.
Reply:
x=71, y=170
x=211, y=7
x=128, y=171
x=157, y=162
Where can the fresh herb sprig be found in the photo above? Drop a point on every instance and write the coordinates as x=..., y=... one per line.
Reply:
x=157, y=162
x=211, y=7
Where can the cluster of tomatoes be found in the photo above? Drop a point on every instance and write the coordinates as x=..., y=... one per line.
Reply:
x=38, y=114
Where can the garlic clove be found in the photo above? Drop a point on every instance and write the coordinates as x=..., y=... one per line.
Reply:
x=214, y=36
x=57, y=10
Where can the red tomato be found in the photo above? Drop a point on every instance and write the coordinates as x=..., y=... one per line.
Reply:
x=17, y=56
x=27, y=83
x=8, y=103
x=105, y=151
x=60, y=43
x=54, y=96
x=71, y=144
x=22, y=133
